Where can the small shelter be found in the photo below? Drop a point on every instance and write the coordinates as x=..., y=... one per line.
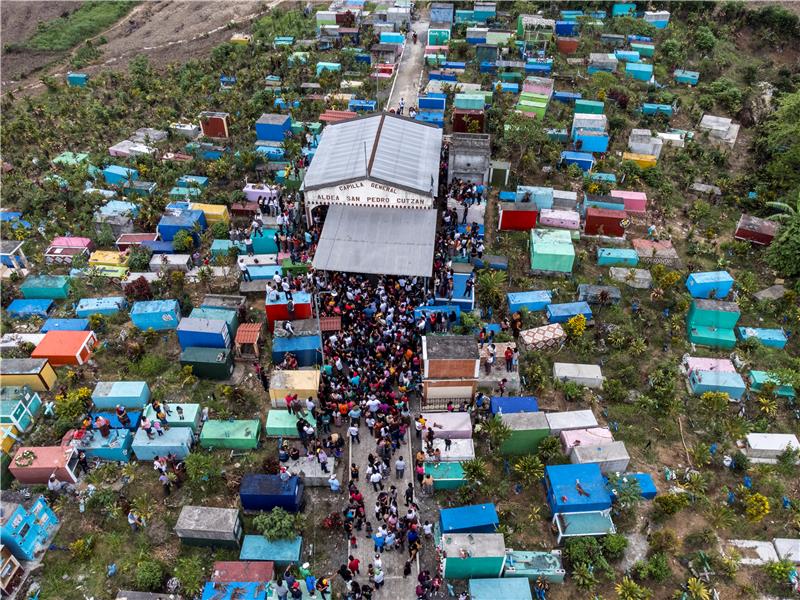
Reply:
x=712, y=284
x=130, y=394
x=282, y=423
x=281, y=552
x=229, y=571
x=259, y=492
x=446, y=475
x=180, y=415
x=717, y=381
x=617, y=256
x=532, y=300
x=492, y=589
x=767, y=447
x=590, y=376
x=513, y=404
x=541, y=338
x=209, y=526
x=527, y=431
x=109, y=305
x=611, y=458
x=561, y=313
x=36, y=373
x=591, y=436
x=552, y=251
x=114, y=446
x=460, y=450
x=449, y=425
x=204, y=333
x=566, y=495
x=236, y=434
x=475, y=518
x=34, y=465
x=156, y=314
x=599, y=294
x=282, y=383
x=27, y=532
x=755, y=230
x=571, y=419
x=66, y=347
x=772, y=337
x=758, y=379
x=175, y=440
x=247, y=343
x=52, y=287
x=19, y=406
x=469, y=555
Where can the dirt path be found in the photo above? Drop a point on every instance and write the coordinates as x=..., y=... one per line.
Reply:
x=409, y=72
x=164, y=31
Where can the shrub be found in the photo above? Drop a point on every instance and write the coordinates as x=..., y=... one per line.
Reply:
x=219, y=230
x=575, y=326
x=779, y=571
x=586, y=551
x=663, y=541
x=278, y=524
x=670, y=504
x=614, y=391
x=655, y=568
x=549, y=450
x=149, y=575
x=190, y=571
x=183, y=242
x=151, y=366
x=139, y=259
x=756, y=507
x=82, y=548
x=138, y=289
x=73, y=405
x=614, y=546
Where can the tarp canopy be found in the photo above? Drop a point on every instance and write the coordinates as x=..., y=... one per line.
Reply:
x=377, y=241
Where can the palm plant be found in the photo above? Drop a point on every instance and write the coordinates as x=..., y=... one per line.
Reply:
x=490, y=288
x=628, y=589
x=786, y=212
x=584, y=577
x=529, y=469
x=496, y=431
x=475, y=471
x=697, y=590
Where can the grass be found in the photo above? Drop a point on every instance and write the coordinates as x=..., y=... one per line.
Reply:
x=90, y=19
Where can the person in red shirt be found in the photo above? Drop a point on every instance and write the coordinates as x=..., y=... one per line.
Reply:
x=353, y=565
x=509, y=356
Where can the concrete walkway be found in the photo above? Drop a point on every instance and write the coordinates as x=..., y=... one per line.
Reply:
x=396, y=586
x=409, y=71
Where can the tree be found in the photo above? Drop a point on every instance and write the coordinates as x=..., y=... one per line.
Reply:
x=490, y=288
x=529, y=469
x=704, y=39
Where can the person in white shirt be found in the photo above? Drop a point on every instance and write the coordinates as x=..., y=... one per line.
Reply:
x=376, y=479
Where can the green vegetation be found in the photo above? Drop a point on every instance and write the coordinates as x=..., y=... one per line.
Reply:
x=89, y=20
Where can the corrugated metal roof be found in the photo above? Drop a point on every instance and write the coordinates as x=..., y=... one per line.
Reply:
x=377, y=241
x=248, y=333
x=386, y=147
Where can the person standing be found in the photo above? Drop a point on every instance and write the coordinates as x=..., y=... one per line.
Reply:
x=376, y=479
x=334, y=484
x=354, y=437
x=509, y=356
x=409, y=493
x=323, y=460
x=82, y=462
x=354, y=565
x=399, y=467
x=135, y=521
x=165, y=483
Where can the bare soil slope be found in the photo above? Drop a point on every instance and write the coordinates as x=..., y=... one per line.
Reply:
x=165, y=31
